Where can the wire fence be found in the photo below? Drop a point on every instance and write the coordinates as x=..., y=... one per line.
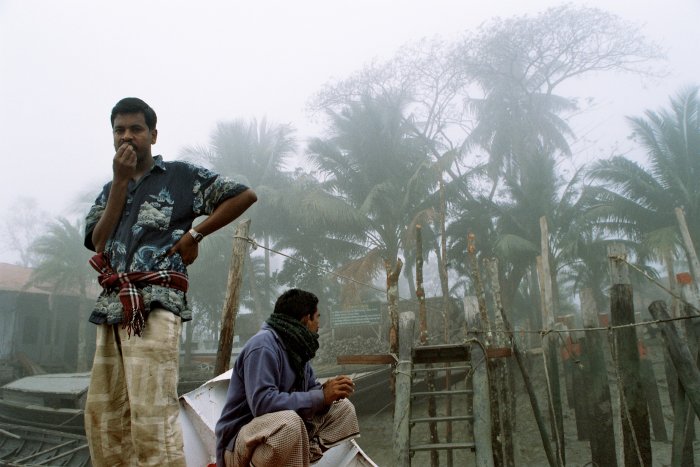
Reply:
x=541, y=332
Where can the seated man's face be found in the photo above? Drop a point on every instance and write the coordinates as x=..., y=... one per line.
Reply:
x=312, y=321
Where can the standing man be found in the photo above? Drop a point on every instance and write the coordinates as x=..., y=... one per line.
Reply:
x=276, y=412
x=141, y=229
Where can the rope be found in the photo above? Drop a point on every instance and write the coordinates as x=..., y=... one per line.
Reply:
x=255, y=245
x=397, y=371
x=541, y=332
x=655, y=282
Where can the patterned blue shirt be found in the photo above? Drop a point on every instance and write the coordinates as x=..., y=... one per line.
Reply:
x=159, y=209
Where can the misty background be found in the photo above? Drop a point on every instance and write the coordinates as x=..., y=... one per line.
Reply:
x=63, y=65
x=296, y=70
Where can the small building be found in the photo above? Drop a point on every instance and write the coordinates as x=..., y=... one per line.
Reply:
x=40, y=327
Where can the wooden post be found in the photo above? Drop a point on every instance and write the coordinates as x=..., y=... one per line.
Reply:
x=684, y=422
x=500, y=369
x=600, y=429
x=423, y=327
x=520, y=359
x=651, y=394
x=444, y=284
x=402, y=406
x=480, y=384
x=496, y=440
x=233, y=292
x=635, y=416
x=549, y=346
x=683, y=360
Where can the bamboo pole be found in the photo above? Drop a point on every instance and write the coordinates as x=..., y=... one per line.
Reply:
x=233, y=292
x=402, y=406
x=635, y=416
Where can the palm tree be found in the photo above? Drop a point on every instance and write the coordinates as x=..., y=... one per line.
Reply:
x=253, y=153
x=63, y=265
x=638, y=202
x=376, y=180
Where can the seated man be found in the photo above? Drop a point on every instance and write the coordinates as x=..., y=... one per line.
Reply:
x=276, y=412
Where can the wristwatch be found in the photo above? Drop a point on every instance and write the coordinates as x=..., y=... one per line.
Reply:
x=198, y=237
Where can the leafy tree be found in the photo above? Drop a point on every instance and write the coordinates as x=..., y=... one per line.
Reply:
x=63, y=265
x=376, y=179
x=23, y=225
x=253, y=152
x=638, y=202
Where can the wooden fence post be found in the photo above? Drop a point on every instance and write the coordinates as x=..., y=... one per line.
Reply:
x=480, y=384
x=600, y=429
x=500, y=369
x=633, y=406
x=549, y=346
x=683, y=360
x=233, y=292
x=402, y=406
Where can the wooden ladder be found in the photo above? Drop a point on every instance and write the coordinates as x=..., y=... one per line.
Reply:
x=437, y=361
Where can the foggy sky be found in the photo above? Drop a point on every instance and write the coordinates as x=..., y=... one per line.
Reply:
x=63, y=65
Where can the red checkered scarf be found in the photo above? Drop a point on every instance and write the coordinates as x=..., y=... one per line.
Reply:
x=128, y=284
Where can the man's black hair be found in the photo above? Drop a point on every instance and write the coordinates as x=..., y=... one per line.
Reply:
x=134, y=105
x=296, y=303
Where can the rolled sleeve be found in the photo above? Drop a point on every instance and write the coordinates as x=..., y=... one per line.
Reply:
x=211, y=189
x=93, y=217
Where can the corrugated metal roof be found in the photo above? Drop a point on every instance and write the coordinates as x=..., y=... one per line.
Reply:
x=54, y=383
x=16, y=278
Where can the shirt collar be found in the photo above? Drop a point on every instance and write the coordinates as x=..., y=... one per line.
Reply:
x=158, y=163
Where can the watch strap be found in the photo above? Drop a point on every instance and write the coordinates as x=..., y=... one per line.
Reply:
x=198, y=237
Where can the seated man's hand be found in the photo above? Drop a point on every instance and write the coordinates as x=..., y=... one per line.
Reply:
x=337, y=388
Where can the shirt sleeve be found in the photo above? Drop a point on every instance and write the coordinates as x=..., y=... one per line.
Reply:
x=211, y=189
x=263, y=392
x=93, y=216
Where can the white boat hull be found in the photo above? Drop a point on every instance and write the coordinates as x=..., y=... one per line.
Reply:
x=200, y=409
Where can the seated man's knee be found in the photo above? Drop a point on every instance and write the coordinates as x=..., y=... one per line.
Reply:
x=292, y=426
x=344, y=408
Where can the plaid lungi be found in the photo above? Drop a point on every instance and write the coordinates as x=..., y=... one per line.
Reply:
x=132, y=405
x=283, y=439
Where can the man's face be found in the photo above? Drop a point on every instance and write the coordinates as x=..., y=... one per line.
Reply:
x=132, y=129
x=312, y=321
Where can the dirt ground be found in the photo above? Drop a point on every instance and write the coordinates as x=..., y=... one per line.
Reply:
x=377, y=432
